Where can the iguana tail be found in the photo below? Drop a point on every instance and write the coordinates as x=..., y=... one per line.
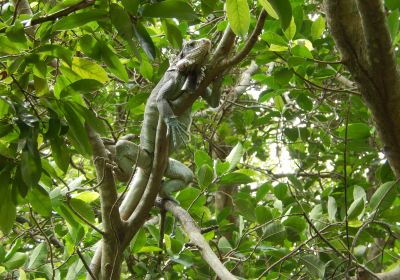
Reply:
x=135, y=193
x=128, y=156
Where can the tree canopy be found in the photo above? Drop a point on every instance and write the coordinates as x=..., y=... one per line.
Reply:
x=297, y=170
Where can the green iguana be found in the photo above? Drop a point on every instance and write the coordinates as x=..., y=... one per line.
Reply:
x=181, y=79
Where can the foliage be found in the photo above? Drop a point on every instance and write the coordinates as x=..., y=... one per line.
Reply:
x=298, y=151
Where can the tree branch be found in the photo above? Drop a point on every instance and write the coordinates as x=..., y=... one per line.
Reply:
x=112, y=223
x=194, y=233
x=65, y=12
x=25, y=9
x=379, y=49
x=365, y=45
x=249, y=43
x=160, y=161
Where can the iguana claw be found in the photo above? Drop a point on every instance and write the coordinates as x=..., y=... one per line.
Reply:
x=176, y=129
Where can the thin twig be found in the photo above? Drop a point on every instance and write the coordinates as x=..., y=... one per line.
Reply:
x=47, y=240
x=85, y=264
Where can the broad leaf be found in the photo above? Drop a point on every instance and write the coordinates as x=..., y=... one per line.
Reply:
x=75, y=20
x=238, y=16
x=284, y=11
x=169, y=9
x=113, y=62
x=314, y=266
x=235, y=156
x=384, y=196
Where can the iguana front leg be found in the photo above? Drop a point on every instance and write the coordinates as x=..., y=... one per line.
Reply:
x=175, y=129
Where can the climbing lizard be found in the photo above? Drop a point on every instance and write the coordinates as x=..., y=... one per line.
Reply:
x=180, y=79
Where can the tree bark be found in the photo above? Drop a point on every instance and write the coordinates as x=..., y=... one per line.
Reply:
x=361, y=34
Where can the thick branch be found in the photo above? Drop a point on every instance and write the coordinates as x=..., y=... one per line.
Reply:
x=390, y=275
x=65, y=12
x=366, y=48
x=141, y=212
x=345, y=25
x=249, y=43
x=194, y=233
x=215, y=67
x=379, y=49
x=112, y=223
x=78, y=6
x=225, y=44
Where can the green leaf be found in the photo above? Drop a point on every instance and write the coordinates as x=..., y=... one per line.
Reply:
x=138, y=241
x=173, y=33
x=221, y=167
x=188, y=195
x=277, y=48
x=297, y=223
x=235, y=178
x=90, y=46
x=273, y=38
x=291, y=30
x=304, y=102
x=122, y=22
x=60, y=152
x=31, y=167
x=314, y=266
x=75, y=20
x=16, y=261
x=40, y=201
x=263, y=214
x=56, y=51
x=169, y=9
x=87, y=196
x=87, y=69
x=284, y=11
x=113, y=62
x=81, y=86
x=38, y=256
x=355, y=131
x=302, y=51
x=275, y=233
x=131, y=6
x=317, y=28
x=332, y=208
x=201, y=157
x=279, y=104
x=238, y=14
x=245, y=208
x=281, y=191
x=224, y=245
x=146, y=69
x=9, y=47
x=355, y=209
x=204, y=176
x=393, y=22
x=392, y=4
x=22, y=274
x=384, y=196
x=268, y=7
x=145, y=40
x=149, y=249
x=89, y=116
x=8, y=212
x=16, y=33
x=83, y=209
x=77, y=132
x=235, y=156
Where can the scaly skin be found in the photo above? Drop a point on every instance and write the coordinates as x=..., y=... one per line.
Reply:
x=180, y=79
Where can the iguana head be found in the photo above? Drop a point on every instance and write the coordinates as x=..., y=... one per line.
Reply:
x=193, y=55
